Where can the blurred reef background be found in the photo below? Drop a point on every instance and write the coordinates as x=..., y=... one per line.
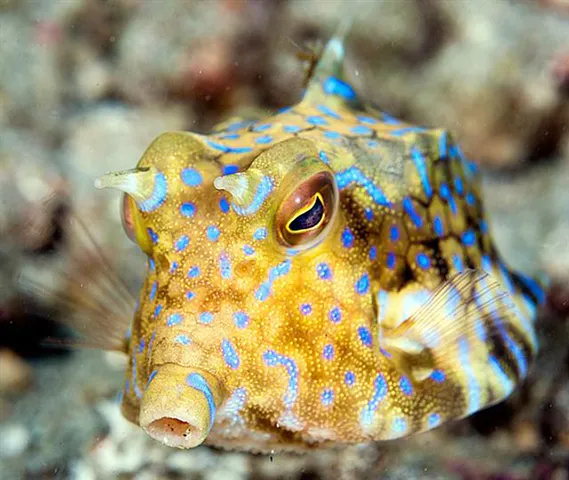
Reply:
x=85, y=85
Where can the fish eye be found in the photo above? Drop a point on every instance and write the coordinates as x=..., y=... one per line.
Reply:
x=304, y=215
x=133, y=224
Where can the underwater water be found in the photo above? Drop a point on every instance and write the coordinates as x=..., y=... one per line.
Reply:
x=86, y=86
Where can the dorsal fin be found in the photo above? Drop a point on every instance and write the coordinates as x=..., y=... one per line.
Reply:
x=327, y=84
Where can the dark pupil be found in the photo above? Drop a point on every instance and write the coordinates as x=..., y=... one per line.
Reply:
x=309, y=218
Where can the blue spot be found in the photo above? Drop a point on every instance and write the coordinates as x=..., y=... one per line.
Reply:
x=224, y=266
x=158, y=196
x=141, y=346
x=483, y=227
x=194, y=271
x=316, y=120
x=393, y=233
x=391, y=260
x=421, y=166
x=260, y=233
x=438, y=226
x=206, y=317
x=443, y=145
x=230, y=136
x=264, y=139
x=447, y=196
x=486, y=263
x=362, y=285
x=372, y=143
x=173, y=267
x=328, y=111
x=324, y=157
x=224, y=205
x=389, y=119
x=188, y=209
x=263, y=190
x=327, y=397
x=272, y=359
x=230, y=169
x=292, y=128
x=229, y=354
x=182, y=243
x=335, y=86
x=457, y=263
x=423, y=261
x=433, y=420
x=195, y=380
x=405, y=385
x=410, y=210
x=365, y=336
x=380, y=392
x=365, y=119
x=335, y=315
x=190, y=295
x=157, y=310
x=438, y=376
x=405, y=131
x=369, y=214
x=227, y=149
x=349, y=378
x=328, y=352
x=458, y=185
x=347, y=238
x=241, y=319
x=174, y=319
x=332, y=135
x=373, y=252
x=151, y=377
x=153, y=289
x=306, y=309
x=469, y=238
x=399, y=426
x=324, y=272
x=213, y=233
x=248, y=250
x=361, y=130
x=191, y=177
x=355, y=175
x=262, y=127
x=182, y=339
x=153, y=235
x=263, y=292
x=151, y=264
x=470, y=199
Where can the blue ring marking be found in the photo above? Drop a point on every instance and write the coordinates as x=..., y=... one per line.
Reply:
x=433, y=420
x=263, y=140
x=273, y=359
x=227, y=149
x=230, y=355
x=324, y=272
x=182, y=339
x=206, y=318
x=399, y=426
x=151, y=377
x=327, y=397
x=153, y=235
x=225, y=268
x=151, y=264
x=468, y=238
x=380, y=392
x=355, y=175
x=534, y=287
x=157, y=310
x=458, y=185
x=174, y=319
x=438, y=376
x=241, y=319
x=410, y=210
x=473, y=388
x=158, y=196
x=153, y=289
x=365, y=336
x=134, y=374
x=391, y=260
x=194, y=272
x=406, y=386
x=191, y=177
x=262, y=192
x=326, y=110
x=328, y=352
x=316, y=120
x=506, y=382
x=248, y=250
x=438, y=226
x=373, y=253
x=349, y=378
x=361, y=130
x=362, y=284
x=224, y=205
x=306, y=308
x=188, y=209
x=393, y=233
x=457, y=263
x=292, y=128
x=421, y=166
x=280, y=270
x=347, y=238
x=190, y=295
x=213, y=233
x=366, y=119
x=405, y=131
x=199, y=383
x=230, y=169
x=332, y=135
x=260, y=233
x=235, y=403
x=335, y=86
x=182, y=243
x=151, y=343
x=322, y=155
x=443, y=145
x=335, y=315
x=423, y=261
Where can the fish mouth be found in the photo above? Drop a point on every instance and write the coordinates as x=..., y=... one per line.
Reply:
x=175, y=432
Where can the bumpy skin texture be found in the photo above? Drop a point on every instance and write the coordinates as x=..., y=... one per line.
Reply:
x=292, y=346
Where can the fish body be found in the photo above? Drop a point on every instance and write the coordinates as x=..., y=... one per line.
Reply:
x=324, y=275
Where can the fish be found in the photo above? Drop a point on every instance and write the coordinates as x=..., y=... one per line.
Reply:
x=325, y=275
